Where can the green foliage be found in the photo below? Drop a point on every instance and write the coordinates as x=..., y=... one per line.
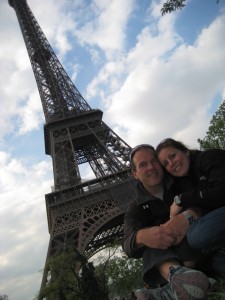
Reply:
x=90, y=286
x=219, y=291
x=4, y=297
x=66, y=282
x=113, y=275
x=121, y=273
x=215, y=136
x=124, y=275
x=172, y=5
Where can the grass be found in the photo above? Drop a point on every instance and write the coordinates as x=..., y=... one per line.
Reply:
x=218, y=292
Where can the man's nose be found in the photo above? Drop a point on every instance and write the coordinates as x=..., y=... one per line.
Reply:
x=150, y=166
x=170, y=162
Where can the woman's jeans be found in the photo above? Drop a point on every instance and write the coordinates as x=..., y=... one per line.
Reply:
x=207, y=234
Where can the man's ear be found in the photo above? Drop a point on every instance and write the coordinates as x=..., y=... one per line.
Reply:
x=134, y=173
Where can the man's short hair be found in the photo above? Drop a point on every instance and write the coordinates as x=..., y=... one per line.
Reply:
x=135, y=149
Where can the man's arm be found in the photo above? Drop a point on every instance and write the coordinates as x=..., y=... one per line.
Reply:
x=156, y=237
x=131, y=227
x=139, y=233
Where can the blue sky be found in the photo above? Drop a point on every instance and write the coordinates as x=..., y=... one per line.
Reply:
x=153, y=77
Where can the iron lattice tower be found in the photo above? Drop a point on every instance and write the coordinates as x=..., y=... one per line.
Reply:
x=86, y=214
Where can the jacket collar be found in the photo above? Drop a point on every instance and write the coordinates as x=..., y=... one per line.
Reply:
x=143, y=195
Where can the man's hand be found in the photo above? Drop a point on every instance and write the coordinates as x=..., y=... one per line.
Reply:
x=156, y=237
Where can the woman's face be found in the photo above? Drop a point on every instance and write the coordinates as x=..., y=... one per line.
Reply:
x=175, y=161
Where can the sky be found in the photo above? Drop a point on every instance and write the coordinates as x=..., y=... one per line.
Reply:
x=153, y=77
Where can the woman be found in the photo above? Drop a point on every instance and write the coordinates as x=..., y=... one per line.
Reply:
x=204, y=171
x=200, y=176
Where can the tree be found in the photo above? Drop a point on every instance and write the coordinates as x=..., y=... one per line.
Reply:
x=102, y=265
x=114, y=274
x=124, y=275
x=66, y=282
x=215, y=136
x=90, y=286
x=172, y=5
x=4, y=297
x=121, y=273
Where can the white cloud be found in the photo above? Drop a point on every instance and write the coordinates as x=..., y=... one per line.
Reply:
x=106, y=28
x=31, y=114
x=166, y=92
x=23, y=222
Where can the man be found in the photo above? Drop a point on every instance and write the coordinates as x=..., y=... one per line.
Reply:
x=161, y=243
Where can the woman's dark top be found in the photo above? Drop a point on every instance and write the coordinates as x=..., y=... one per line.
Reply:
x=204, y=186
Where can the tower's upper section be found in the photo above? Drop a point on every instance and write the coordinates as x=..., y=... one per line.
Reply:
x=60, y=98
x=11, y=2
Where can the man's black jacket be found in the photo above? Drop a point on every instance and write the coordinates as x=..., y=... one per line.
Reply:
x=146, y=211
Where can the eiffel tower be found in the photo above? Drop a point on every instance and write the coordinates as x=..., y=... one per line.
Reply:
x=87, y=214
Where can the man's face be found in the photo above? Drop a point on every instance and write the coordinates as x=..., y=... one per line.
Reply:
x=147, y=169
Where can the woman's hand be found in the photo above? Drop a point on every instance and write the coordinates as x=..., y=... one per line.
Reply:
x=176, y=227
x=175, y=210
